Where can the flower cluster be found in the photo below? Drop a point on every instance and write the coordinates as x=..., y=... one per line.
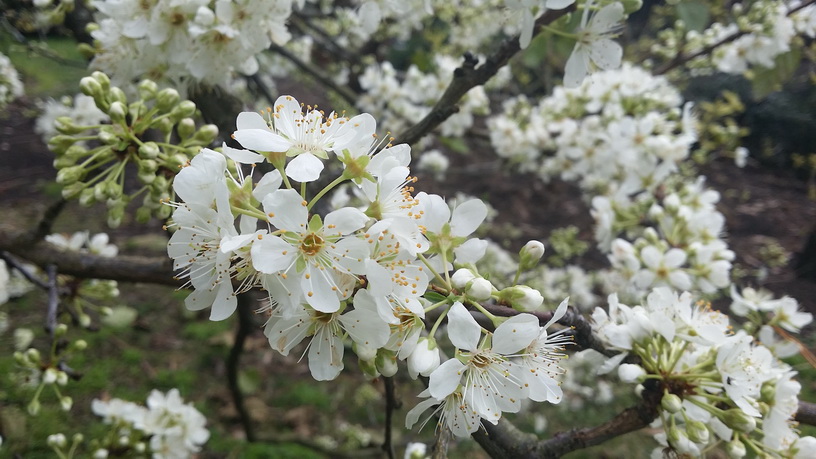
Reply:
x=81, y=109
x=96, y=172
x=167, y=428
x=718, y=387
x=185, y=41
x=770, y=319
x=10, y=85
x=759, y=33
x=367, y=273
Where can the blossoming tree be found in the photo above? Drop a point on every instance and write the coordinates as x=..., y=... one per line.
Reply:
x=358, y=271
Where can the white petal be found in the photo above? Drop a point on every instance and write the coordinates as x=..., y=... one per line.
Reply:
x=325, y=355
x=463, y=330
x=576, y=68
x=286, y=210
x=272, y=254
x=471, y=251
x=225, y=302
x=560, y=311
x=344, y=221
x=250, y=120
x=231, y=243
x=317, y=289
x=606, y=54
x=304, y=168
x=515, y=333
x=261, y=140
x=445, y=379
x=413, y=416
x=467, y=217
x=607, y=18
x=271, y=181
x=241, y=156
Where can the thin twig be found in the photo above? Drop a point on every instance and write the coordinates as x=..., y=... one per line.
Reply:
x=390, y=405
x=245, y=326
x=469, y=76
x=53, y=301
x=806, y=414
x=344, y=92
x=47, y=221
x=11, y=261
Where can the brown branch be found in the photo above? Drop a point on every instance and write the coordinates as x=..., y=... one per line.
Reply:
x=53, y=301
x=806, y=414
x=681, y=59
x=390, y=405
x=154, y=270
x=469, y=76
x=246, y=303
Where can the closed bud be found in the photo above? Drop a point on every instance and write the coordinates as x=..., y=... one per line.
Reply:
x=462, y=277
x=101, y=453
x=34, y=407
x=386, y=362
x=78, y=438
x=103, y=80
x=69, y=175
x=107, y=137
x=185, y=109
x=651, y=235
x=80, y=344
x=148, y=166
x=59, y=144
x=146, y=177
x=369, y=368
x=20, y=358
x=735, y=449
x=697, y=432
x=117, y=112
x=116, y=213
x=522, y=298
x=163, y=212
x=166, y=99
x=162, y=124
x=530, y=255
x=424, y=359
x=100, y=191
x=76, y=152
x=630, y=373
x=671, y=403
x=71, y=191
x=84, y=320
x=33, y=356
x=124, y=440
x=63, y=161
x=90, y=87
x=50, y=376
x=736, y=419
x=148, y=89
x=768, y=392
x=66, y=403
x=65, y=125
x=57, y=441
x=365, y=352
x=117, y=95
x=138, y=110
x=143, y=214
x=206, y=134
x=60, y=330
x=87, y=51
x=479, y=289
x=149, y=150
x=113, y=189
x=185, y=128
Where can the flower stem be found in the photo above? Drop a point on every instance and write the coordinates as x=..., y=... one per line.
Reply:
x=325, y=190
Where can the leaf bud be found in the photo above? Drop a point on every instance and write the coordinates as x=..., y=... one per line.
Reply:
x=530, y=255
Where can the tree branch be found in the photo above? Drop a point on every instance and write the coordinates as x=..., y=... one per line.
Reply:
x=390, y=406
x=245, y=327
x=469, y=76
x=806, y=414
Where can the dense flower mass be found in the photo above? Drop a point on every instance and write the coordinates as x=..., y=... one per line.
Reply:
x=10, y=85
x=361, y=273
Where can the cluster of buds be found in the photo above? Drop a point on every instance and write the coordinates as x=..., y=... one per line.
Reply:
x=53, y=373
x=156, y=133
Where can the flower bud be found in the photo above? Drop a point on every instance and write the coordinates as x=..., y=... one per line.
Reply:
x=101, y=453
x=630, y=373
x=113, y=189
x=116, y=214
x=166, y=99
x=87, y=197
x=66, y=403
x=34, y=407
x=65, y=125
x=671, y=403
x=697, y=432
x=479, y=289
x=84, y=320
x=522, y=298
x=138, y=110
x=462, y=277
x=59, y=144
x=76, y=152
x=149, y=150
x=735, y=449
x=530, y=255
x=117, y=112
x=87, y=51
x=143, y=214
x=69, y=175
x=736, y=419
x=49, y=376
x=386, y=362
x=103, y=79
x=57, y=440
x=369, y=368
x=90, y=87
x=139, y=447
x=107, y=137
x=416, y=451
x=185, y=109
x=148, y=89
x=60, y=330
x=23, y=338
x=185, y=128
x=33, y=356
x=63, y=161
x=117, y=95
x=162, y=124
x=206, y=134
x=424, y=359
x=365, y=352
x=81, y=344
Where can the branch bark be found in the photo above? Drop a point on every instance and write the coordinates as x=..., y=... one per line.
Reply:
x=469, y=76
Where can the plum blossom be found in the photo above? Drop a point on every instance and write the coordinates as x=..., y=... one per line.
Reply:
x=595, y=47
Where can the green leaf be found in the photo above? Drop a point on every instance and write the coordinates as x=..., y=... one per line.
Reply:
x=434, y=297
x=766, y=81
x=694, y=14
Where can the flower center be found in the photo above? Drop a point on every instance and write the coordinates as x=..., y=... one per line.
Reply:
x=311, y=244
x=481, y=360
